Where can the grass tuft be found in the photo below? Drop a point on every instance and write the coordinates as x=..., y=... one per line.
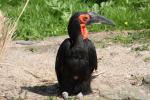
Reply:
x=147, y=59
x=7, y=28
x=134, y=36
x=123, y=39
x=144, y=47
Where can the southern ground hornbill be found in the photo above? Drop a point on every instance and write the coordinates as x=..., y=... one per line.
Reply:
x=76, y=58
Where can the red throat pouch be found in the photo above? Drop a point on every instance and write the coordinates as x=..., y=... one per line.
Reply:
x=84, y=31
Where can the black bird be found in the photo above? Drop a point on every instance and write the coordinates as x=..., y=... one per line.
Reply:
x=76, y=58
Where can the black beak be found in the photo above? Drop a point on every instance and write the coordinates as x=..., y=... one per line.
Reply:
x=97, y=19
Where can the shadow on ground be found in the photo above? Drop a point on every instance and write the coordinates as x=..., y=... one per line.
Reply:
x=45, y=90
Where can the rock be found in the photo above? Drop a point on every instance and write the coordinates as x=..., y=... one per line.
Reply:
x=146, y=83
x=146, y=79
x=25, y=42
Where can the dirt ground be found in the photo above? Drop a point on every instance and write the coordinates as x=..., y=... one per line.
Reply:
x=27, y=71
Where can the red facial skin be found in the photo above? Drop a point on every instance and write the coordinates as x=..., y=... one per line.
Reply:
x=83, y=20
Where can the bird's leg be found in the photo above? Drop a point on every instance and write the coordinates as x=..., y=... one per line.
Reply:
x=65, y=95
x=79, y=96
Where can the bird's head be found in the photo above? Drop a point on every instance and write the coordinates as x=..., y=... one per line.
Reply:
x=79, y=21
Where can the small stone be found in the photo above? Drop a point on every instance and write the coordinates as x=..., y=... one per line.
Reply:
x=146, y=79
x=25, y=42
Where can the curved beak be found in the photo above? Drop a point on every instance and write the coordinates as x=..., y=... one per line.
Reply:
x=97, y=19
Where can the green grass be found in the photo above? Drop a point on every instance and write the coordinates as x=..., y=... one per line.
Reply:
x=132, y=37
x=123, y=39
x=55, y=98
x=144, y=47
x=44, y=18
x=52, y=98
x=128, y=14
x=147, y=59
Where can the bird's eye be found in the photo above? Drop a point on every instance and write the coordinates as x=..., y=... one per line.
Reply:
x=85, y=18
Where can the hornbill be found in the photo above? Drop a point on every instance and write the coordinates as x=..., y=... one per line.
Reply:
x=76, y=58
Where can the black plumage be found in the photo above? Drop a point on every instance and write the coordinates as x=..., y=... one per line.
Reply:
x=76, y=58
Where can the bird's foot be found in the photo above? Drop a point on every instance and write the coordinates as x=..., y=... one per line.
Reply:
x=65, y=95
x=79, y=96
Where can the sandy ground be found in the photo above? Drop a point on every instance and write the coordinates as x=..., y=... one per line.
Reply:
x=27, y=71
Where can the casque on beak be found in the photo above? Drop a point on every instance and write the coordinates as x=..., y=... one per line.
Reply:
x=97, y=19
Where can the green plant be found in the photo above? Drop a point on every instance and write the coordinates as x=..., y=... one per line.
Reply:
x=141, y=36
x=135, y=36
x=95, y=1
x=147, y=59
x=102, y=43
x=123, y=39
x=141, y=48
x=52, y=98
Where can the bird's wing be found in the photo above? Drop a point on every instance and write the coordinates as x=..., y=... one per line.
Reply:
x=60, y=57
x=92, y=56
